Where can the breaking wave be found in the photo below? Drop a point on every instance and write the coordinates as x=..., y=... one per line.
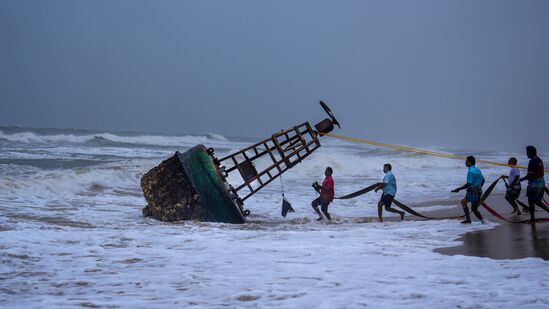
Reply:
x=64, y=164
x=110, y=139
x=42, y=185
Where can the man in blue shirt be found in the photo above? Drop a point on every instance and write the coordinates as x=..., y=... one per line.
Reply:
x=389, y=188
x=474, y=184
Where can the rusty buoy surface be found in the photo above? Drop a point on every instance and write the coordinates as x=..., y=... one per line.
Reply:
x=188, y=186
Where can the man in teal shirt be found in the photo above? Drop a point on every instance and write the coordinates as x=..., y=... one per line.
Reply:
x=389, y=188
x=474, y=184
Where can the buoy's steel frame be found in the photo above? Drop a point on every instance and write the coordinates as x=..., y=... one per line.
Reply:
x=194, y=185
x=285, y=149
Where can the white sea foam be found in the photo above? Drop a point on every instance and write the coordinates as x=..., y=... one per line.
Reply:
x=75, y=237
x=289, y=265
x=44, y=184
x=418, y=178
x=156, y=140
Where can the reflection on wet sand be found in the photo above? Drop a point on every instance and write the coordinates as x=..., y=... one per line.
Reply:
x=506, y=241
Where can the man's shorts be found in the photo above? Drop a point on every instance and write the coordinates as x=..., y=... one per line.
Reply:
x=536, y=190
x=323, y=203
x=387, y=200
x=513, y=193
x=474, y=193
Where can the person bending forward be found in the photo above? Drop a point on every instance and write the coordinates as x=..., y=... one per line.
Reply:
x=389, y=188
x=326, y=195
x=474, y=184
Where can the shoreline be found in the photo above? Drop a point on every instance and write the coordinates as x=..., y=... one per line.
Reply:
x=505, y=240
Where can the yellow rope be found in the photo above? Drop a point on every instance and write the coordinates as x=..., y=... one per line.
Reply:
x=415, y=150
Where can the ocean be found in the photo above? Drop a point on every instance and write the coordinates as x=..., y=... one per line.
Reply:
x=72, y=234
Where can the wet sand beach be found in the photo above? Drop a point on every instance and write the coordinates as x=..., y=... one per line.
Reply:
x=506, y=240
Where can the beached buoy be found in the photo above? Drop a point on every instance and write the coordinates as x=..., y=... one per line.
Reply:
x=188, y=186
x=193, y=185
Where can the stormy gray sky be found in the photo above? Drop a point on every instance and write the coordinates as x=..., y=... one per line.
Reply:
x=450, y=73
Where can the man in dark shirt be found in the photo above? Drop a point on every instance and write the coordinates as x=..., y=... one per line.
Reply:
x=326, y=194
x=536, y=182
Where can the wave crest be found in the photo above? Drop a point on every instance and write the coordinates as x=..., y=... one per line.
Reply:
x=109, y=138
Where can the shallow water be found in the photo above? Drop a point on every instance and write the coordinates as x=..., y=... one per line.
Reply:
x=72, y=234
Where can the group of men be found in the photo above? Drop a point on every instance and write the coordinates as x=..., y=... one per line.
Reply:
x=475, y=181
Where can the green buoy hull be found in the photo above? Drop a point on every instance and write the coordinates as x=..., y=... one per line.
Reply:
x=188, y=186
